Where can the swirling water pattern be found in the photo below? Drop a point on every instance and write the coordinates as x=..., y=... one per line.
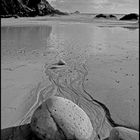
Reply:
x=68, y=81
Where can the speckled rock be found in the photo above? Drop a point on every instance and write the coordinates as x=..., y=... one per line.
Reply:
x=60, y=118
x=119, y=133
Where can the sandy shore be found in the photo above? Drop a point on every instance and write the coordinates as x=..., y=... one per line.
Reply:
x=112, y=77
x=66, y=19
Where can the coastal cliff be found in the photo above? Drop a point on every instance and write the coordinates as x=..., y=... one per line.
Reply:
x=27, y=8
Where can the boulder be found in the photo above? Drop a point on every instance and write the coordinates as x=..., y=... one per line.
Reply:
x=100, y=16
x=22, y=132
x=131, y=16
x=122, y=133
x=59, y=118
x=112, y=17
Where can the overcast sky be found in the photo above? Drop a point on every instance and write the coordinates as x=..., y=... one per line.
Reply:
x=97, y=6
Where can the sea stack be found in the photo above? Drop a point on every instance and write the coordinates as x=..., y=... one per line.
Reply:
x=60, y=118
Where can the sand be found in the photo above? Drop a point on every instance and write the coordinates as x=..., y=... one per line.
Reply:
x=112, y=75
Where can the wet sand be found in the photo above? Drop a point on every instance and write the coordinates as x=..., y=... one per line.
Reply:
x=107, y=71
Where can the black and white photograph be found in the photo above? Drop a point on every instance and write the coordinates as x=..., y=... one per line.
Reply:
x=69, y=69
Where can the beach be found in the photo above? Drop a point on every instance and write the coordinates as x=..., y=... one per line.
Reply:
x=105, y=52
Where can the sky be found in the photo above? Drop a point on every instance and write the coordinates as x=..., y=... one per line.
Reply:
x=97, y=6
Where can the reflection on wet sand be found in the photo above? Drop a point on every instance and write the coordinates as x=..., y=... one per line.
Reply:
x=22, y=41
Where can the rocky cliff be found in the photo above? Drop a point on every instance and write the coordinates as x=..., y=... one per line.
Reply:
x=26, y=8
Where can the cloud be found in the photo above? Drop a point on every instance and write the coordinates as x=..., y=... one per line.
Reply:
x=97, y=5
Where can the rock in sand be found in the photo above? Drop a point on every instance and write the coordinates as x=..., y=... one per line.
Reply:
x=60, y=118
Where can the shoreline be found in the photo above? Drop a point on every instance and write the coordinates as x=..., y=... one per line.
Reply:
x=42, y=21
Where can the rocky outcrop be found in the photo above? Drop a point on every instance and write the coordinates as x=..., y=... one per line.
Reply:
x=13, y=8
x=112, y=17
x=104, y=16
x=122, y=133
x=42, y=7
x=25, y=8
x=76, y=12
x=100, y=16
x=22, y=132
x=131, y=16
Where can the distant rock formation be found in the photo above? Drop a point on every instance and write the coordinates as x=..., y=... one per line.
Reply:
x=131, y=16
x=27, y=8
x=112, y=16
x=76, y=12
x=122, y=133
x=100, y=16
x=104, y=16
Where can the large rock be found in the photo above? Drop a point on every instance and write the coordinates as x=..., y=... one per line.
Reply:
x=59, y=118
x=22, y=132
x=100, y=16
x=131, y=16
x=121, y=133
